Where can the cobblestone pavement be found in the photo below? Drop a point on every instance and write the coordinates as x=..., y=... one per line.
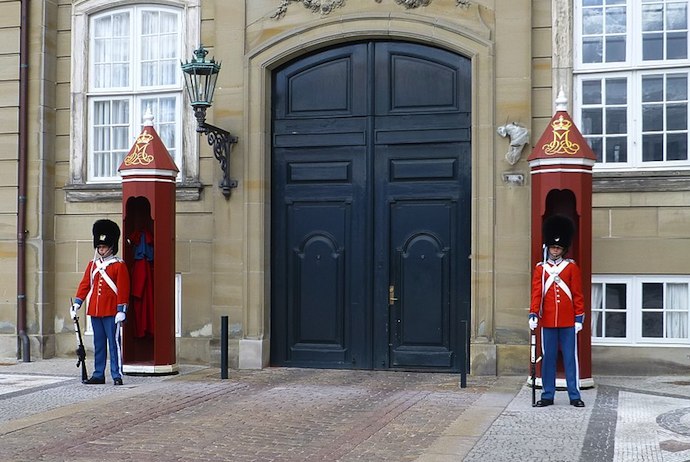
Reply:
x=280, y=414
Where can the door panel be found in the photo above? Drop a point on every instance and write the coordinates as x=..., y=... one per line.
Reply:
x=370, y=190
x=420, y=251
x=423, y=245
x=316, y=279
x=318, y=256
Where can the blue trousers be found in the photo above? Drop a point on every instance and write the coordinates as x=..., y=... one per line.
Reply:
x=104, y=332
x=551, y=339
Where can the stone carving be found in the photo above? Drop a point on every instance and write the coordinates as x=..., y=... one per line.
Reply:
x=326, y=6
x=519, y=137
x=410, y=3
x=317, y=6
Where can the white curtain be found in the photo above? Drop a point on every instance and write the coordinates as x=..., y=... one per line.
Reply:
x=676, y=310
x=597, y=298
x=110, y=54
x=110, y=136
x=159, y=48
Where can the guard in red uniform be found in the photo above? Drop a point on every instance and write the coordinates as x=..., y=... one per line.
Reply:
x=105, y=289
x=557, y=306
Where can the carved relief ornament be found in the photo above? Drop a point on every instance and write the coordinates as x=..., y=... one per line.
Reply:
x=326, y=6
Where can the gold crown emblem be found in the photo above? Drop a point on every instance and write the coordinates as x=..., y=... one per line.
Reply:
x=144, y=138
x=561, y=124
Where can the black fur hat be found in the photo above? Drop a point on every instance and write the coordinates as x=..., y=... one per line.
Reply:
x=558, y=230
x=106, y=232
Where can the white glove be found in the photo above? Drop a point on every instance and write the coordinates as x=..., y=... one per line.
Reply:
x=533, y=323
x=74, y=311
x=578, y=327
x=120, y=316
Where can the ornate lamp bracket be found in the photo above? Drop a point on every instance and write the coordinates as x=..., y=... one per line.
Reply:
x=221, y=141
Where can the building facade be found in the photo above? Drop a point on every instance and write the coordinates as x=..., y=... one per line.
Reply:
x=382, y=214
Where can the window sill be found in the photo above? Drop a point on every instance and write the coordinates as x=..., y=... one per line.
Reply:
x=112, y=192
x=659, y=181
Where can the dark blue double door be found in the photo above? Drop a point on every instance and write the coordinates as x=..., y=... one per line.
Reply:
x=370, y=209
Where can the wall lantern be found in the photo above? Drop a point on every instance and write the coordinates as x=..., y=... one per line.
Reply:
x=200, y=81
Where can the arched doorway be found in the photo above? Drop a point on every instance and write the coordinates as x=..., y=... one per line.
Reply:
x=371, y=208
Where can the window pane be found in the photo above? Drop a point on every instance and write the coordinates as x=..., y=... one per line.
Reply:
x=110, y=54
x=652, y=117
x=677, y=44
x=652, y=18
x=677, y=296
x=652, y=47
x=652, y=325
x=615, y=325
x=677, y=117
x=677, y=87
x=677, y=325
x=596, y=145
x=111, y=136
x=615, y=21
x=597, y=324
x=653, y=148
x=591, y=92
x=592, y=123
x=159, y=48
x=615, y=297
x=616, y=150
x=616, y=120
x=652, y=88
x=616, y=91
x=677, y=16
x=615, y=49
x=677, y=146
x=652, y=296
x=592, y=50
x=592, y=21
x=677, y=310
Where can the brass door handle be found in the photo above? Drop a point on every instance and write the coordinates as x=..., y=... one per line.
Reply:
x=391, y=295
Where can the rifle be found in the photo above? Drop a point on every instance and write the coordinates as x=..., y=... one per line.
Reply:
x=81, y=351
x=533, y=360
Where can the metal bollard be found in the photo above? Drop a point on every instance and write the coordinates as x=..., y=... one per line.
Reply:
x=466, y=359
x=223, y=347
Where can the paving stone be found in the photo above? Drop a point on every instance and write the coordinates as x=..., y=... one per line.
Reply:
x=298, y=415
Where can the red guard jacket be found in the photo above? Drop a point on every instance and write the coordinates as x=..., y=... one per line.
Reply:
x=103, y=301
x=558, y=308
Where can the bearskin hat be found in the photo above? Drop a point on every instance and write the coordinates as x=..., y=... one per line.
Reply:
x=558, y=230
x=106, y=232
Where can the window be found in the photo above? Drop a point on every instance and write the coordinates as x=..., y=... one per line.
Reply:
x=640, y=310
x=134, y=56
x=631, y=82
x=129, y=64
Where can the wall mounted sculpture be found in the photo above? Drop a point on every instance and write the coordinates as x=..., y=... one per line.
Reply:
x=327, y=6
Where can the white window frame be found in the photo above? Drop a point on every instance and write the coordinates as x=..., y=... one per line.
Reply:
x=634, y=310
x=79, y=130
x=633, y=68
x=628, y=329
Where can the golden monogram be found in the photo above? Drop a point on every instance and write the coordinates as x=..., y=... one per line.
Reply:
x=561, y=143
x=139, y=156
